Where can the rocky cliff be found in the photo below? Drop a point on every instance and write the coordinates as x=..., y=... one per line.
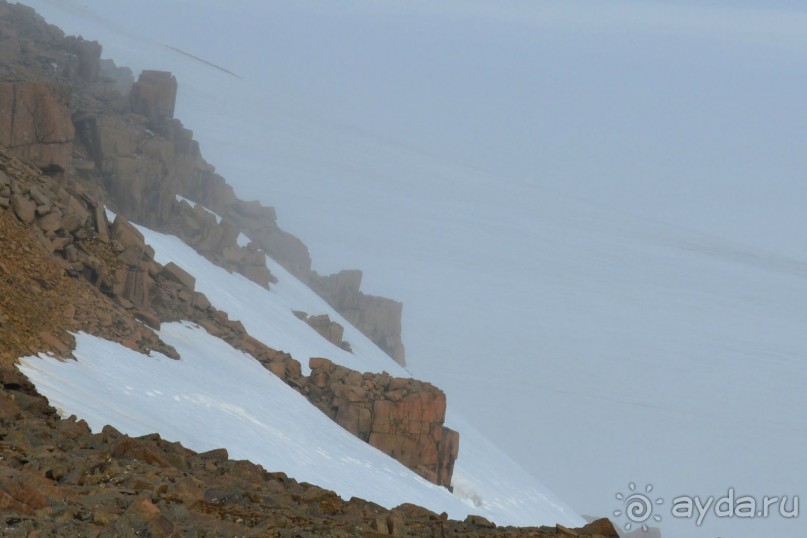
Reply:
x=75, y=144
x=405, y=416
x=70, y=144
x=63, y=108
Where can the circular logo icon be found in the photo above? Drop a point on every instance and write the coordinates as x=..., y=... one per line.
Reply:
x=637, y=507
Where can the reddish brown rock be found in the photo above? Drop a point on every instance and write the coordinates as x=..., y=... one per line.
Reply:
x=479, y=521
x=599, y=527
x=154, y=95
x=143, y=518
x=50, y=222
x=54, y=343
x=137, y=287
x=401, y=417
x=100, y=222
x=35, y=122
x=19, y=495
x=330, y=330
x=174, y=272
x=319, y=363
x=379, y=318
x=123, y=232
x=89, y=55
x=24, y=208
x=258, y=274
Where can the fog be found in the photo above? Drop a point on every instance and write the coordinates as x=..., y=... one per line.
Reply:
x=593, y=212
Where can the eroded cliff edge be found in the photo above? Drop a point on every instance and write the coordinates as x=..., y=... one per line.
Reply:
x=130, y=144
x=80, y=145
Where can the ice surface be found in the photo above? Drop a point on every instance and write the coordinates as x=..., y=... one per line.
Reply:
x=139, y=395
x=216, y=396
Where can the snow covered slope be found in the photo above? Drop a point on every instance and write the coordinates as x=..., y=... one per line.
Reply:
x=217, y=396
x=268, y=315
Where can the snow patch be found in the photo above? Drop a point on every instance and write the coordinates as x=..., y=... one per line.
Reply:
x=216, y=396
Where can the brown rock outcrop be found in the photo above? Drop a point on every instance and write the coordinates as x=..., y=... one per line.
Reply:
x=89, y=56
x=179, y=275
x=379, y=318
x=401, y=417
x=217, y=240
x=154, y=95
x=330, y=330
x=44, y=295
x=35, y=122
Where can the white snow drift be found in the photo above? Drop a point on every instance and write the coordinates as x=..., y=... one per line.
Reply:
x=217, y=396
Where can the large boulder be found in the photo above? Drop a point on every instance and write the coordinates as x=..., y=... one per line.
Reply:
x=154, y=95
x=24, y=208
x=402, y=417
x=174, y=272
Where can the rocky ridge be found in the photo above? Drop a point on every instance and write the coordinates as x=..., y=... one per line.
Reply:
x=60, y=197
x=114, y=259
x=66, y=268
x=69, y=114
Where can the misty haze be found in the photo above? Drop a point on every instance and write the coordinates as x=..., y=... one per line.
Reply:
x=592, y=213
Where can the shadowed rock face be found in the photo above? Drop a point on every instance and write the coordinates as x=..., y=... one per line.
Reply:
x=154, y=95
x=35, y=122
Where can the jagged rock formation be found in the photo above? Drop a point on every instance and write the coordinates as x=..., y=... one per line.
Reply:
x=401, y=417
x=41, y=295
x=154, y=95
x=115, y=259
x=143, y=157
x=377, y=317
x=59, y=479
x=134, y=154
x=328, y=329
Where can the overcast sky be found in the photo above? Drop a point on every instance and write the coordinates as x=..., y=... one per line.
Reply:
x=689, y=112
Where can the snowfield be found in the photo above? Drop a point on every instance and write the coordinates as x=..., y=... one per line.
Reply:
x=268, y=315
x=216, y=396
